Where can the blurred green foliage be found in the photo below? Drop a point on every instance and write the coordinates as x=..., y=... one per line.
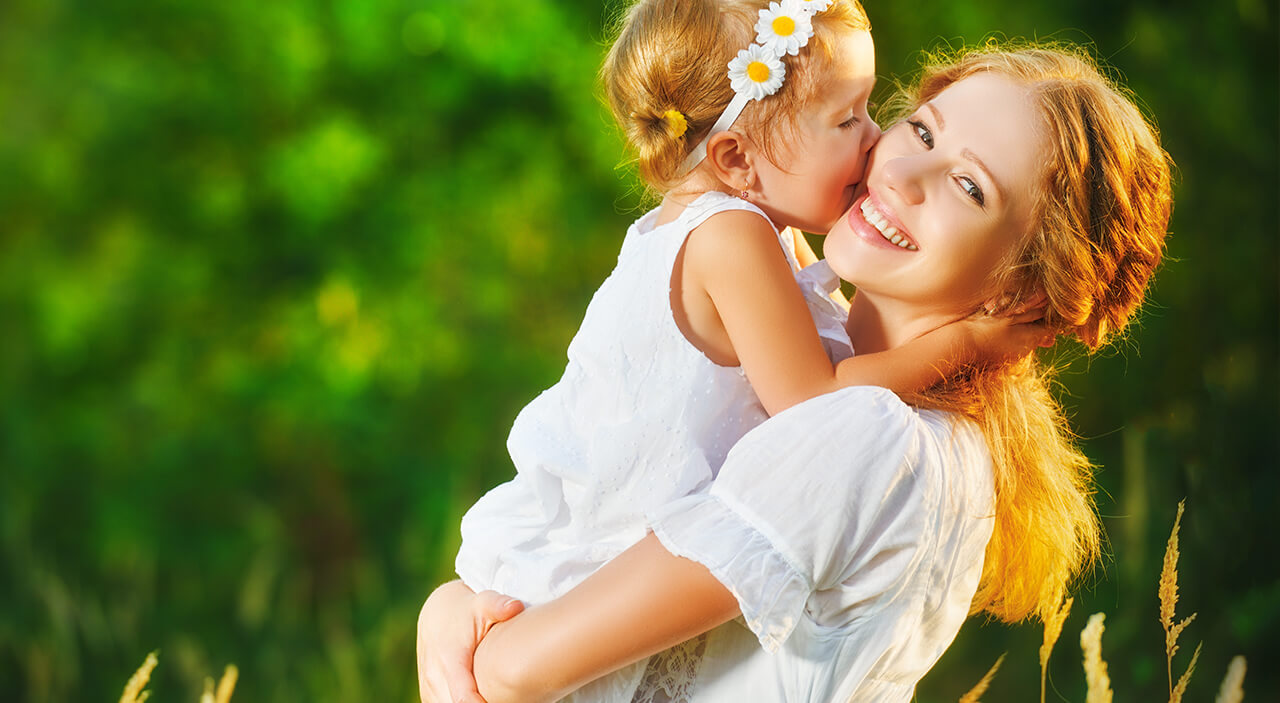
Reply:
x=275, y=277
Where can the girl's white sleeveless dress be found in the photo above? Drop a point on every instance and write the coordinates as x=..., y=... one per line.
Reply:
x=639, y=418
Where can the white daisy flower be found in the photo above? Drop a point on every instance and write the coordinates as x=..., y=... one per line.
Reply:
x=756, y=72
x=815, y=6
x=784, y=27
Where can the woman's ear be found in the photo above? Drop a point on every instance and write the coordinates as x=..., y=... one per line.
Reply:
x=731, y=156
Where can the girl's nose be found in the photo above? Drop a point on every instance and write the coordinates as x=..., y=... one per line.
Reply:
x=870, y=136
x=903, y=175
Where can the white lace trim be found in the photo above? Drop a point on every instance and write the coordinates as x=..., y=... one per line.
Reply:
x=670, y=675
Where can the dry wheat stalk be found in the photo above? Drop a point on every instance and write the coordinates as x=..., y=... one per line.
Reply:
x=1232, y=690
x=981, y=687
x=1181, y=688
x=1052, y=630
x=1169, y=598
x=1095, y=669
x=225, y=686
x=133, y=692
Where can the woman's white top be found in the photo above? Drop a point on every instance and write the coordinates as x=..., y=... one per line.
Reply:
x=639, y=419
x=851, y=528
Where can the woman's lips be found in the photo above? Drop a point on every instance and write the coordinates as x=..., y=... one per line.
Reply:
x=875, y=223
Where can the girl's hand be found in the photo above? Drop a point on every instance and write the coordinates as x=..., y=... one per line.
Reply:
x=450, y=627
x=999, y=339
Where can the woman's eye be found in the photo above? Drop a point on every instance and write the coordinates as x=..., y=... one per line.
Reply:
x=973, y=190
x=922, y=133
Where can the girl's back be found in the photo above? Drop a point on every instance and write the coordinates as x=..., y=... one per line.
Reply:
x=639, y=418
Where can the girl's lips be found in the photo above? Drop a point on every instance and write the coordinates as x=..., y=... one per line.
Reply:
x=872, y=234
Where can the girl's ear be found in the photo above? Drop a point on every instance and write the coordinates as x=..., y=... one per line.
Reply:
x=731, y=156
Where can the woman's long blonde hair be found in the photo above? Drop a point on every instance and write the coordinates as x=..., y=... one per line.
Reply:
x=1103, y=210
x=674, y=55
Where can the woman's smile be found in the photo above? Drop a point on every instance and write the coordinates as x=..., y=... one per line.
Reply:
x=876, y=223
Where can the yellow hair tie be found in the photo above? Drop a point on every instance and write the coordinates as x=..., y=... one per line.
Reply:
x=677, y=123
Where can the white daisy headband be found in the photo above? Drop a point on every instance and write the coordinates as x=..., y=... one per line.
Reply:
x=757, y=72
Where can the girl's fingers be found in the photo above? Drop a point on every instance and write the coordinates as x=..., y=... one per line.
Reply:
x=1025, y=316
x=460, y=680
x=491, y=607
x=1037, y=300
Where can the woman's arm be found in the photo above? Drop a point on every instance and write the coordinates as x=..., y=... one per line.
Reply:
x=641, y=603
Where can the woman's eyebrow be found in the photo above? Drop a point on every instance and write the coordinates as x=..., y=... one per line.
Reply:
x=937, y=116
x=966, y=153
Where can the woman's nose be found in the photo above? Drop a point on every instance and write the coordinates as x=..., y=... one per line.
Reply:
x=903, y=175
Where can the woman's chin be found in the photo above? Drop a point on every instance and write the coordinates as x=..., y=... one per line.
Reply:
x=840, y=261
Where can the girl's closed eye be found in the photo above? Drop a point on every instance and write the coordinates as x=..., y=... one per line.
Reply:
x=855, y=116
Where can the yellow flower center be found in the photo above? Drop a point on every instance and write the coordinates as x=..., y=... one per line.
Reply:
x=758, y=71
x=677, y=124
x=784, y=26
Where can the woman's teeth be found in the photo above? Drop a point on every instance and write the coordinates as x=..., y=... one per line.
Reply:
x=889, y=232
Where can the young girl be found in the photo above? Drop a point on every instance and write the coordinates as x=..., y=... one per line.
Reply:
x=701, y=331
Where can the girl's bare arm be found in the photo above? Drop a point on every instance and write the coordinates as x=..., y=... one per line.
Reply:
x=735, y=258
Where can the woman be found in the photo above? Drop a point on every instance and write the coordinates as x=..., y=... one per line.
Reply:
x=854, y=548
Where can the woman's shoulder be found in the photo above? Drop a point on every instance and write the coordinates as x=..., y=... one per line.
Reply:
x=869, y=411
x=874, y=430
x=849, y=441
x=855, y=414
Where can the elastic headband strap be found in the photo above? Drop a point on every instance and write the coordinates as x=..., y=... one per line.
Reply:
x=783, y=28
x=727, y=118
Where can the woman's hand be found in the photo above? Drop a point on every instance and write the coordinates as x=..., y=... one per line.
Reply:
x=450, y=627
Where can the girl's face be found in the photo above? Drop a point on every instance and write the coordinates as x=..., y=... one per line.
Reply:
x=822, y=167
x=949, y=192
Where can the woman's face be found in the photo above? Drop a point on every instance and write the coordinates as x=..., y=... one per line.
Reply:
x=949, y=192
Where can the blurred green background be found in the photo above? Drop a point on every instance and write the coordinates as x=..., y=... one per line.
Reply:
x=276, y=276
